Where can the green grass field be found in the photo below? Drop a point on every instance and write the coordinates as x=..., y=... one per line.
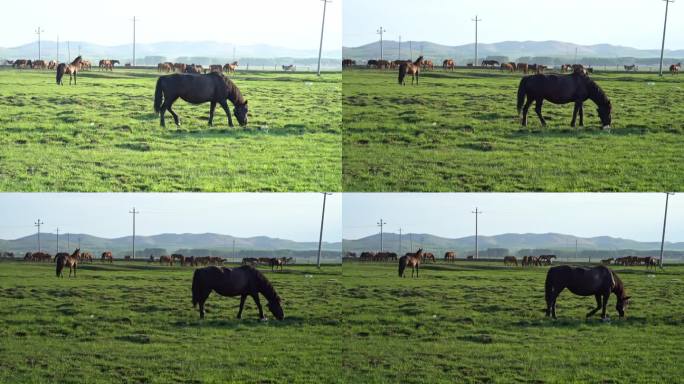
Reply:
x=133, y=323
x=103, y=135
x=473, y=322
x=460, y=132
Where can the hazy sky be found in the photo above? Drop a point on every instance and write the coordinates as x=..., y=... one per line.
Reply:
x=634, y=23
x=294, y=216
x=292, y=23
x=625, y=215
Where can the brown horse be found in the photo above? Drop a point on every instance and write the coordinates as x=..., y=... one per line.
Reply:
x=598, y=281
x=276, y=263
x=675, y=68
x=448, y=64
x=429, y=256
x=107, y=256
x=70, y=69
x=412, y=69
x=230, y=67
x=507, y=67
x=411, y=260
x=510, y=260
x=107, y=65
x=449, y=256
x=241, y=281
x=165, y=260
x=87, y=256
x=66, y=260
x=523, y=67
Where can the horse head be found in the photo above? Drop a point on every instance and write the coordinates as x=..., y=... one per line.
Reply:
x=240, y=111
x=276, y=309
x=622, y=304
x=604, y=112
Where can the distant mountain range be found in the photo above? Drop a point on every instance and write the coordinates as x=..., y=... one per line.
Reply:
x=511, y=49
x=511, y=241
x=169, y=50
x=170, y=242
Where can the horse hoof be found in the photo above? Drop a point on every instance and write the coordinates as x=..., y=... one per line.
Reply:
x=606, y=127
x=263, y=319
x=606, y=320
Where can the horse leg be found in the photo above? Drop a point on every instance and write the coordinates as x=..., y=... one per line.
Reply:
x=170, y=103
x=255, y=296
x=224, y=105
x=242, y=305
x=606, y=296
x=538, y=110
x=211, y=112
x=202, y=299
x=526, y=108
x=581, y=114
x=598, y=306
x=574, y=114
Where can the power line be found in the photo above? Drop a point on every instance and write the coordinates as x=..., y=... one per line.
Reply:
x=380, y=224
x=38, y=223
x=662, y=48
x=662, y=241
x=476, y=20
x=477, y=246
x=380, y=31
x=320, y=47
x=38, y=31
x=320, y=236
x=133, y=212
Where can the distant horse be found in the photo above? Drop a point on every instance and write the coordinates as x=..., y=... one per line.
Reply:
x=523, y=67
x=276, y=263
x=598, y=281
x=448, y=64
x=510, y=260
x=449, y=256
x=196, y=89
x=631, y=68
x=490, y=63
x=241, y=281
x=562, y=89
x=230, y=67
x=215, y=68
x=428, y=65
x=165, y=67
x=411, y=260
x=87, y=256
x=179, y=67
x=249, y=261
x=39, y=64
x=507, y=67
x=348, y=63
x=71, y=69
x=107, y=256
x=412, y=69
x=429, y=256
x=52, y=64
x=168, y=260
x=66, y=260
x=86, y=65
x=290, y=68
x=652, y=262
x=675, y=68
x=546, y=259
x=106, y=64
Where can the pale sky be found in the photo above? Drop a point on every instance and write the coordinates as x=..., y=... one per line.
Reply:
x=292, y=23
x=626, y=215
x=292, y=216
x=633, y=23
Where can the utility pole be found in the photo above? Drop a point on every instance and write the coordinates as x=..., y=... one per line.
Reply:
x=411, y=57
x=662, y=241
x=320, y=47
x=38, y=32
x=57, y=239
x=399, y=241
x=234, y=259
x=381, y=223
x=320, y=236
x=380, y=32
x=69, y=243
x=133, y=212
x=79, y=242
x=57, y=48
x=133, y=66
x=68, y=51
x=399, y=47
x=662, y=48
x=38, y=223
x=476, y=20
x=477, y=247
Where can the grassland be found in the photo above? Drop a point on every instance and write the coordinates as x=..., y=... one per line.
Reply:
x=481, y=322
x=103, y=135
x=460, y=132
x=133, y=323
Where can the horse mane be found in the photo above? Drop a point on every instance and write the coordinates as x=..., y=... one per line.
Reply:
x=234, y=93
x=619, y=287
x=596, y=93
x=76, y=60
x=418, y=60
x=76, y=252
x=265, y=286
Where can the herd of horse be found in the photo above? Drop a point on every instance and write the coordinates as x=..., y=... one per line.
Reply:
x=626, y=261
x=169, y=67
x=276, y=263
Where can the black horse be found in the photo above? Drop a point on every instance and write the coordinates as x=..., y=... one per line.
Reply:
x=598, y=281
x=241, y=281
x=197, y=89
x=562, y=89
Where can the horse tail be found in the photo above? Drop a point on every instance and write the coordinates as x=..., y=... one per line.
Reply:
x=521, y=94
x=402, y=265
x=158, y=96
x=195, y=288
x=402, y=73
x=60, y=72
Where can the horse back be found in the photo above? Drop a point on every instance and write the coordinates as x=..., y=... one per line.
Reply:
x=226, y=281
x=194, y=88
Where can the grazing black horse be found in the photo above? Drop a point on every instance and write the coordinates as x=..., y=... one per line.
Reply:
x=598, y=281
x=197, y=89
x=562, y=89
x=241, y=281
